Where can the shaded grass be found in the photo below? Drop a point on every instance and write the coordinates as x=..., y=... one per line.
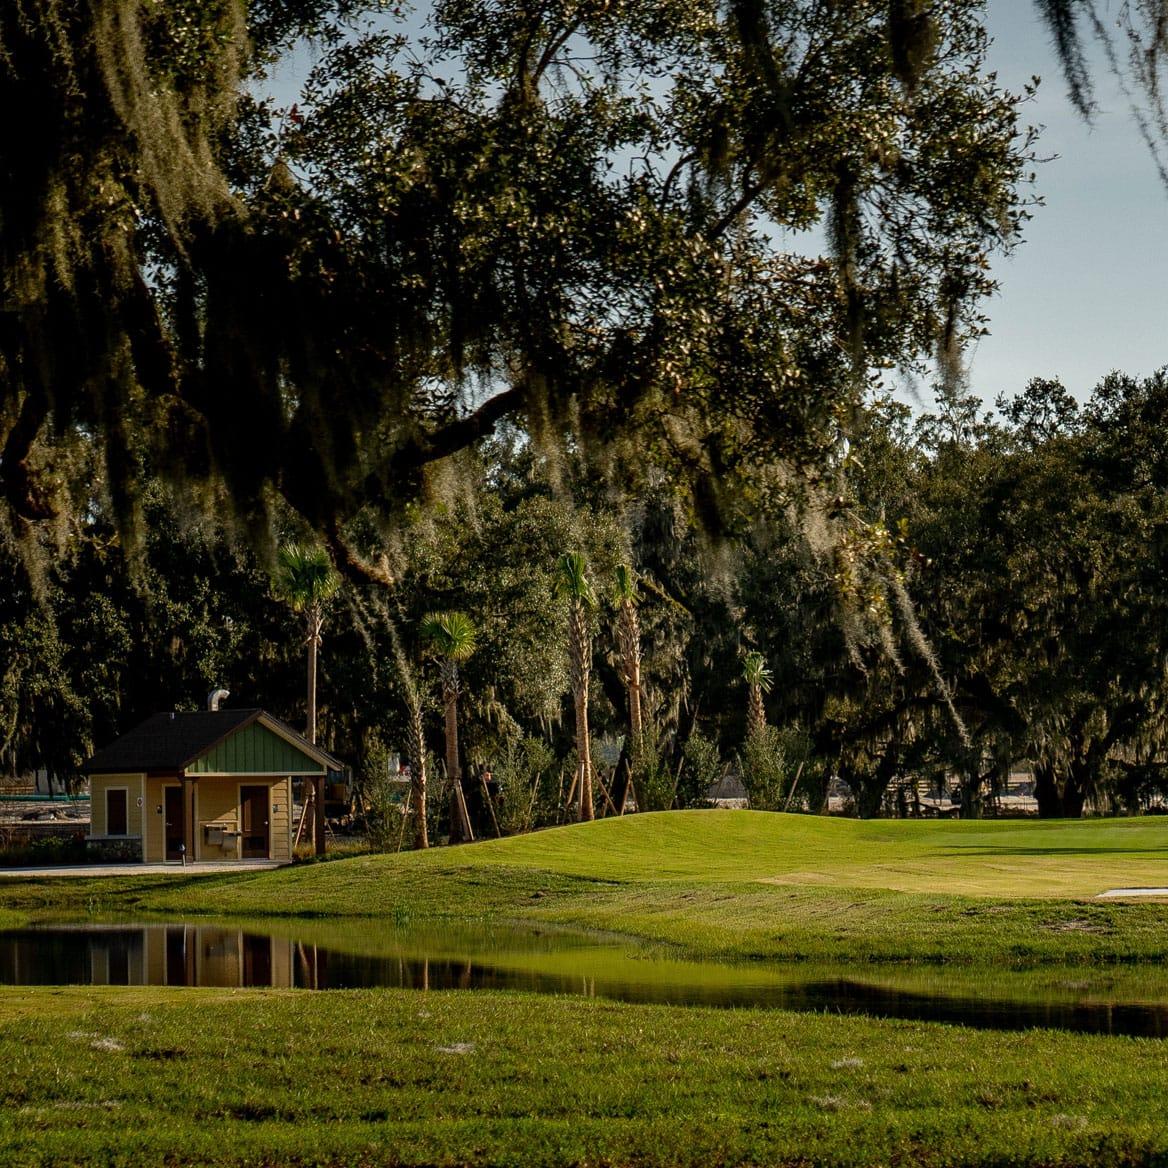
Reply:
x=127, y=1076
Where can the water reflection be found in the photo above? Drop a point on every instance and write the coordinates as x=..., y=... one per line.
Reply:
x=225, y=956
x=177, y=955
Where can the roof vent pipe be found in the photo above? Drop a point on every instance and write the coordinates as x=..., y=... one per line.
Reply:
x=215, y=697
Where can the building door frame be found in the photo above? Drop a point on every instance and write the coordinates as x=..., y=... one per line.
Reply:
x=174, y=825
x=255, y=821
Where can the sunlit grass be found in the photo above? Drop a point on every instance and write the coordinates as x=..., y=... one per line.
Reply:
x=737, y=885
x=965, y=910
x=130, y=1076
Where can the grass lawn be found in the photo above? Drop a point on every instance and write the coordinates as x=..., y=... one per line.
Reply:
x=738, y=885
x=387, y=1076
x=268, y=1077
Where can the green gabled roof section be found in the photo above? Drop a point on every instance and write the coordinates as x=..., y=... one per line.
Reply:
x=257, y=749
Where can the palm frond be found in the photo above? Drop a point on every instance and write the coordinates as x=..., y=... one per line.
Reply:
x=628, y=584
x=572, y=581
x=304, y=576
x=449, y=634
x=756, y=673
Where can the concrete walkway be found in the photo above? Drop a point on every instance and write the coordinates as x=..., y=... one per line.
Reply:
x=196, y=869
x=1123, y=893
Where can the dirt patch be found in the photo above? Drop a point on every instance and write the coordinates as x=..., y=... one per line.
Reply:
x=1077, y=926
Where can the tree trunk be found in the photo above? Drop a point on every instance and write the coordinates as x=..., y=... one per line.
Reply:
x=416, y=753
x=755, y=712
x=580, y=660
x=318, y=826
x=453, y=769
x=313, y=646
x=629, y=635
x=1046, y=791
x=971, y=797
x=869, y=795
x=1079, y=784
x=584, y=752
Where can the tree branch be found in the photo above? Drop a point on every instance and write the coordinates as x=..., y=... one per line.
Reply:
x=16, y=479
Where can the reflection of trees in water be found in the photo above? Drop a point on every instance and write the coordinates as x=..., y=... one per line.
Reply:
x=174, y=955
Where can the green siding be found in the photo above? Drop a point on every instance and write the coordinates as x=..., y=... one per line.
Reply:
x=254, y=750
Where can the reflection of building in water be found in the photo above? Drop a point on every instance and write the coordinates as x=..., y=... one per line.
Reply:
x=177, y=955
x=197, y=955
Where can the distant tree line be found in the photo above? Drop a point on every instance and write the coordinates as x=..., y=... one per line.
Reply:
x=984, y=590
x=503, y=318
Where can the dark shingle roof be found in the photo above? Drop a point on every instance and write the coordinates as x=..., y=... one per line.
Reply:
x=170, y=742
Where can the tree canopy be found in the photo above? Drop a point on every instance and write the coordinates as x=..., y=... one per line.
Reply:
x=604, y=221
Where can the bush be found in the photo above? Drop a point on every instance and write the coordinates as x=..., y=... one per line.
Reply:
x=389, y=825
x=386, y=802
x=765, y=772
x=525, y=773
x=46, y=852
x=653, y=778
x=701, y=768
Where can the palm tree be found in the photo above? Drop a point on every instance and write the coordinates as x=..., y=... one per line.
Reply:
x=758, y=680
x=573, y=586
x=307, y=580
x=451, y=637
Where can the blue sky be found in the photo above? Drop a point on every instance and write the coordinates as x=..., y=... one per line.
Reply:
x=1088, y=290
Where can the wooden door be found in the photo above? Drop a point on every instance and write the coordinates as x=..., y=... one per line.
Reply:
x=254, y=822
x=175, y=822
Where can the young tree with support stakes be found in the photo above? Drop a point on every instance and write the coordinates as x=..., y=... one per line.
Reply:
x=451, y=638
x=307, y=581
x=573, y=586
x=415, y=742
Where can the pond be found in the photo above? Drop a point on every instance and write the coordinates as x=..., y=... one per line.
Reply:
x=364, y=954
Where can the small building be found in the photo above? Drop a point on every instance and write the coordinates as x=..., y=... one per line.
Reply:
x=211, y=785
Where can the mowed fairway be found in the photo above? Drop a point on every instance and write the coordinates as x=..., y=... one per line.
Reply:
x=138, y=1075
x=970, y=858
x=995, y=858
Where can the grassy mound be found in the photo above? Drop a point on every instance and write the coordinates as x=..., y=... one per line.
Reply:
x=738, y=885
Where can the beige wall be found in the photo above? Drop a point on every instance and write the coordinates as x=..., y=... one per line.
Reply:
x=134, y=786
x=282, y=819
x=216, y=804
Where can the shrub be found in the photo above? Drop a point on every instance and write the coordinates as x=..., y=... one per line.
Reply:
x=764, y=768
x=46, y=852
x=701, y=768
x=653, y=778
x=386, y=802
x=525, y=773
